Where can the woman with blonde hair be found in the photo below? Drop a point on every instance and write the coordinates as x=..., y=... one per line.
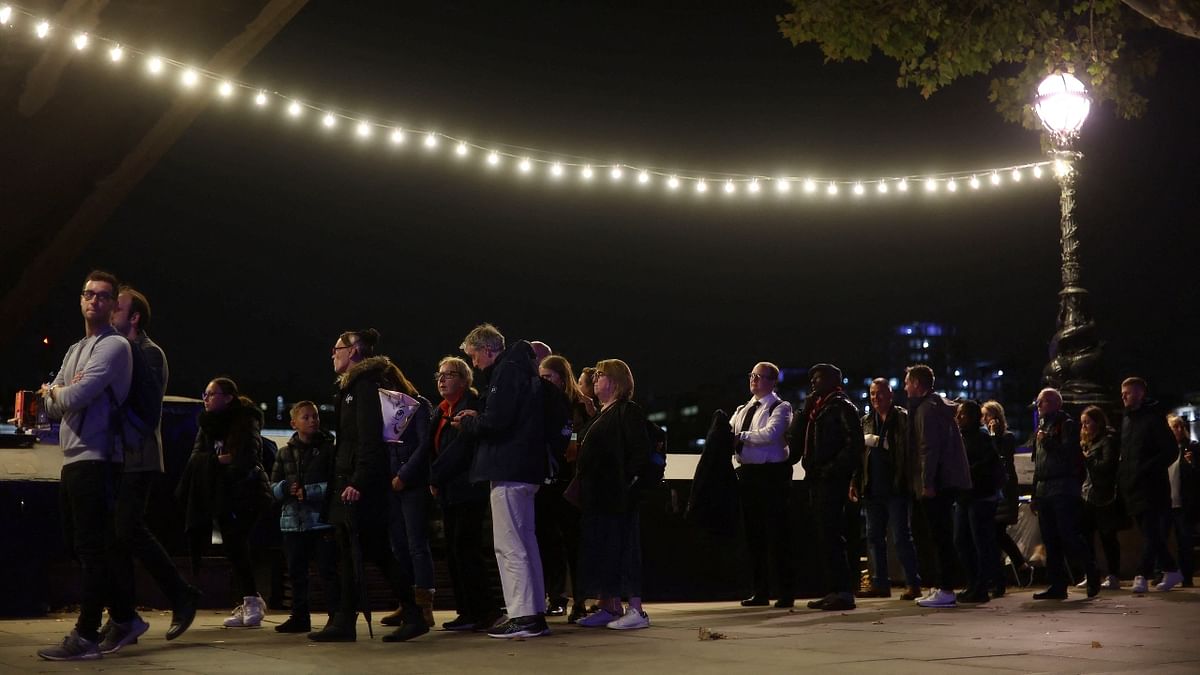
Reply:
x=614, y=451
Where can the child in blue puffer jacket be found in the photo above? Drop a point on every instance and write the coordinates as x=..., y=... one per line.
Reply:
x=299, y=480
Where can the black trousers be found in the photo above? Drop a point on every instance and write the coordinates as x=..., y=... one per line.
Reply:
x=763, y=490
x=557, y=525
x=939, y=515
x=1008, y=546
x=469, y=566
x=1094, y=522
x=235, y=539
x=135, y=540
x=829, y=499
x=1058, y=518
x=87, y=499
x=375, y=547
x=302, y=549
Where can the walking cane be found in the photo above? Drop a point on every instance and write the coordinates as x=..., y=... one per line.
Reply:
x=356, y=556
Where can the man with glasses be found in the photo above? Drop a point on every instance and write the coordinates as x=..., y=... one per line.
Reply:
x=764, y=482
x=91, y=384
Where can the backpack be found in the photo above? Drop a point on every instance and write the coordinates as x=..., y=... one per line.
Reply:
x=130, y=422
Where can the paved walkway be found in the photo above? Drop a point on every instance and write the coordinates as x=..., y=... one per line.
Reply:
x=1118, y=632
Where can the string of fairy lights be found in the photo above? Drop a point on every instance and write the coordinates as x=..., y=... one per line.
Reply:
x=498, y=156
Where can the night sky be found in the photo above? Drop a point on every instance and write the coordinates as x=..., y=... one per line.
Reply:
x=258, y=241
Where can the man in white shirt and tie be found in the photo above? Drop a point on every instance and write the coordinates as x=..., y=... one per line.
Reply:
x=764, y=482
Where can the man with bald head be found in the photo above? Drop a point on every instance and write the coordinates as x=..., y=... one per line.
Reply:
x=1058, y=473
x=764, y=482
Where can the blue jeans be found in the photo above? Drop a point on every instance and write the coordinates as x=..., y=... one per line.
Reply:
x=893, y=513
x=975, y=537
x=408, y=527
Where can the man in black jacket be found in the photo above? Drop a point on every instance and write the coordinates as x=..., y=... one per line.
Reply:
x=833, y=447
x=511, y=456
x=1058, y=473
x=1147, y=449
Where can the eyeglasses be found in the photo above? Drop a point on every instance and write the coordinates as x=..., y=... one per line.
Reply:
x=104, y=296
x=338, y=349
x=756, y=376
x=438, y=377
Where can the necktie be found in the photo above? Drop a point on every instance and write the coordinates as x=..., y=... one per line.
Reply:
x=746, y=421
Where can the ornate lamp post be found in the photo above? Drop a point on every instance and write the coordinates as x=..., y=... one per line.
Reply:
x=1062, y=104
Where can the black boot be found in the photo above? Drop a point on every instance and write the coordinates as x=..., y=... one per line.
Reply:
x=339, y=629
x=296, y=623
x=183, y=612
x=414, y=625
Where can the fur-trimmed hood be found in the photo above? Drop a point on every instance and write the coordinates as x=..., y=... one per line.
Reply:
x=388, y=371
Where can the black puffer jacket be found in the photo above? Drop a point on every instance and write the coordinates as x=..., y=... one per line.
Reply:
x=1102, y=458
x=360, y=457
x=511, y=429
x=1008, y=508
x=832, y=439
x=210, y=489
x=1147, y=448
x=1057, y=459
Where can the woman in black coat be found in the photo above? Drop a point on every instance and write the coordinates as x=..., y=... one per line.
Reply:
x=975, y=512
x=224, y=481
x=1007, y=510
x=1102, y=512
x=614, y=450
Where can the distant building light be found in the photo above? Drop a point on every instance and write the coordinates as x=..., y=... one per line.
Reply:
x=925, y=344
x=893, y=382
x=845, y=380
x=966, y=383
x=657, y=416
x=957, y=372
x=862, y=394
x=908, y=330
x=689, y=411
x=867, y=408
x=999, y=373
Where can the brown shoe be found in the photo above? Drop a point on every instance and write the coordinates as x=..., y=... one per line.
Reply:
x=913, y=593
x=425, y=602
x=394, y=619
x=874, y=592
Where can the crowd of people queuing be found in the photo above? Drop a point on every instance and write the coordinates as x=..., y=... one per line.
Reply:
x=556, y=462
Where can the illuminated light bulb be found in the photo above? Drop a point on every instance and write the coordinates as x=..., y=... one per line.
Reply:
x=225, y=89
x=832, y=189
x=810, y=185
x=729, y=187
x=397, y=136
x=363, y=130
x=81, y=41
x=1061, y=168
x=644, y=177
x=586, y=172
x=42, y=30
x=5, y=14
x=556, y=170
x=189, y=78
x=902, y=185
x=1037, y=171
x=672, y=182
x=974, y=183
x=952, y=185
x=858, y=189
x=883, y=188
x=615, y=173
x=753, y=186
x=701, y=186
x=154, y=65
x=995, y=178
x=525, y=166
x=430, y=140
x=930, y=185
x=329, y=120
x=294, y=109
x=461, y=149
x=783, y=185
x=493, y=158
x=116, y=53
x=1016, y=175
x=260, y=99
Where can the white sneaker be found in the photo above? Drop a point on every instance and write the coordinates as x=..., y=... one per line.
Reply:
x=939, y=599
x=1139, y=584
x=1082, y=584
x=929, y=594
x=1111, y=583
x=598, y=619
x=249, y=614
x=631, y=619
x=1170, y=580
